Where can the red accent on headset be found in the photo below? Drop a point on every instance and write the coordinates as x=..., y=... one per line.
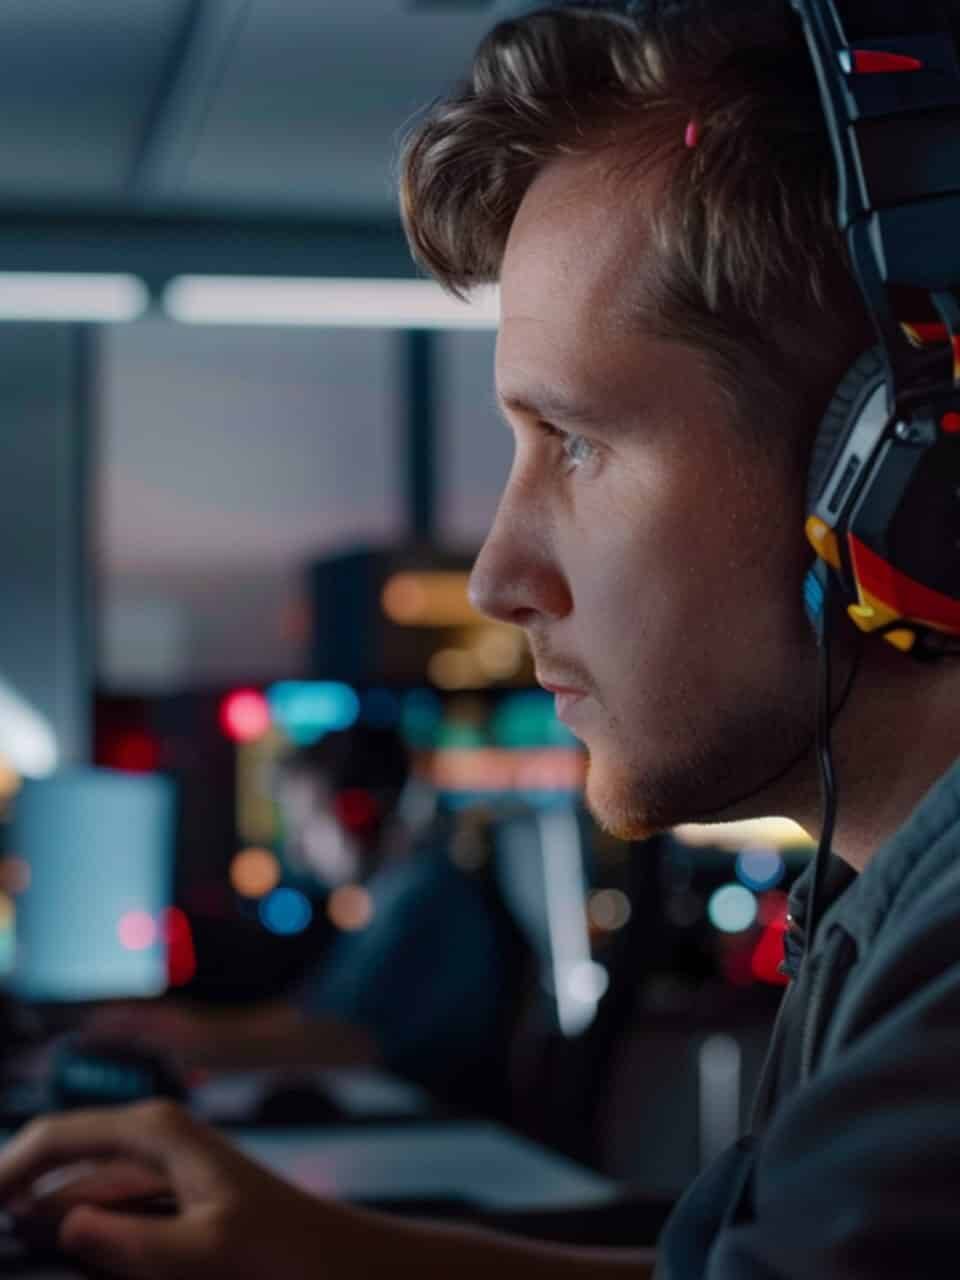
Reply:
x=871, y=61
x=909, y=598
x=950, y=422
x=930, y=332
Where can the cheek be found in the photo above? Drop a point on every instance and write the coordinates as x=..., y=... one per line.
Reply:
x=687, y=566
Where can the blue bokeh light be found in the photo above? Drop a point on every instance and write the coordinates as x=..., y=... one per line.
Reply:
x=307, y=709
x=286, y=911
x=732, y=909
x=760, y=869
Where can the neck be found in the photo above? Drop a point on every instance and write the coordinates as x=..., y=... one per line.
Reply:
x=898, y=733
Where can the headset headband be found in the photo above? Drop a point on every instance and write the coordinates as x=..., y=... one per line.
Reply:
x=889, y=82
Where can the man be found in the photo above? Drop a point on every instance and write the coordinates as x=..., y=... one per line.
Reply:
x=654, y=196
x=414, y=979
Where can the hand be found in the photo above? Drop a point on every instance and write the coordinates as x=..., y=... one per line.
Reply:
x=232, y=1218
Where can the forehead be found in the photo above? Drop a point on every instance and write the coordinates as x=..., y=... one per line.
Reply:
x=577, y=259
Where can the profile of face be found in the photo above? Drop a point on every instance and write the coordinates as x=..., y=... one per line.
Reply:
x=654, y=560
x=316, y=841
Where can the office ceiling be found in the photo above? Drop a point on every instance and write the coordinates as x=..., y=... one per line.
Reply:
x=220, y=108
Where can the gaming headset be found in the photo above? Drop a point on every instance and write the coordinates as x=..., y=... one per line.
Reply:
x=883, y=495
x=884, y=488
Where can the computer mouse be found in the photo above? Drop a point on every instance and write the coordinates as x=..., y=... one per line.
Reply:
x=101, y=1073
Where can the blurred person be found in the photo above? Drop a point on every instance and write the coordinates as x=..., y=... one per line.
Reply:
x=415, y=977
x=653, y=189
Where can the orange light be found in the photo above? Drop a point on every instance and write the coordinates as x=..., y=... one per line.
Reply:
x=455, y=669
x=429, y=599
x=10, y=781
x=245, y=715
x=350, y=908
x=255, y=872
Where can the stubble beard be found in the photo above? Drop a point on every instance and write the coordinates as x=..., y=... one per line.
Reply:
x=742, y=769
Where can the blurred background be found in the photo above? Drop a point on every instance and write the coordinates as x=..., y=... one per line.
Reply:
x=247, y=459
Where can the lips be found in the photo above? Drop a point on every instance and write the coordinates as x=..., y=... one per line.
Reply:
x=564, y=689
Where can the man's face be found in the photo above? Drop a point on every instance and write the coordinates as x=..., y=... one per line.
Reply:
x=655, y=562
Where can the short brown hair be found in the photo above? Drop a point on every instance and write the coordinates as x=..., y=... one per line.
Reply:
x=751, y=268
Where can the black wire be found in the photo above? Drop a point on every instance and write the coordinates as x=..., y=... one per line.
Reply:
x=828, y=782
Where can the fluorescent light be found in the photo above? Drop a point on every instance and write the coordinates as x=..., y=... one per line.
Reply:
x=330, y=303
x=26, y=295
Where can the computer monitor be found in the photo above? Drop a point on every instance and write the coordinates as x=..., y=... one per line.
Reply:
x=99, y=852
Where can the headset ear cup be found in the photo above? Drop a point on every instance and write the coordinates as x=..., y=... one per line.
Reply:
x=859, y=381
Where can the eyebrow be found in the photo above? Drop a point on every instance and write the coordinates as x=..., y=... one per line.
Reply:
x=546, y=404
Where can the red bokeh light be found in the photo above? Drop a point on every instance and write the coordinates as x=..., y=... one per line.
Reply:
x=181, y=955
x=245, y=715
x=356, y=809
x=134, y=751
x=768, y=954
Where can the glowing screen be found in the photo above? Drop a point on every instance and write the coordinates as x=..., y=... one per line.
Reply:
x=100, y=849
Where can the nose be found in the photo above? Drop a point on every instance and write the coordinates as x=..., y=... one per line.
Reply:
x=517, y=577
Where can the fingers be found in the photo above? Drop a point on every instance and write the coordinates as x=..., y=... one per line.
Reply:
x=130, y=1245
x=114, y=1182
x=158, y=1134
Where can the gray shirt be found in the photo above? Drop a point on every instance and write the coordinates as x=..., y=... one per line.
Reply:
x=853, y=1169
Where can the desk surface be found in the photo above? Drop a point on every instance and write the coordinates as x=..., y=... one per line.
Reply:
x=480, y=1163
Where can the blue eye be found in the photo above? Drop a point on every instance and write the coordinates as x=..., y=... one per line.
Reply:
x=578, y=450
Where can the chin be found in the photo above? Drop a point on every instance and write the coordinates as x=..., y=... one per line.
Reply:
x=613, y=798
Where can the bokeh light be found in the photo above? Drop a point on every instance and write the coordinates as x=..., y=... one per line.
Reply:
x=307, y=709
x=254, y=872
x=15, y=874
x=455, y=669
x=286, y=912
x=760, y=869
x=137, y=930
x=732, y=909
x=350, y=908
x=181, y=954
x=10, y=781
x=609, y=909
x=356, y=809
x=587, y=982
x=245, y=715
x=134, y=752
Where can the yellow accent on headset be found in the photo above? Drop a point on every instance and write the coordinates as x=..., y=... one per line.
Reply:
x=871, y=614
x=824, y=541
x=902, y=640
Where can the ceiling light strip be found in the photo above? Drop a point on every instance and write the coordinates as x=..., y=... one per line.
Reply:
x=71, y=297
x=326, y=303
